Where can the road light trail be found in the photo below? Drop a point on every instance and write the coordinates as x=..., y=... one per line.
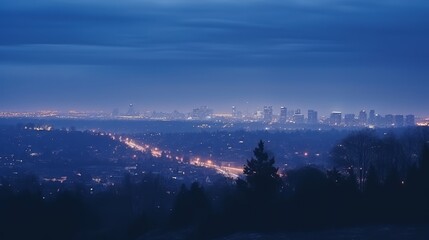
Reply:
x=227, y=171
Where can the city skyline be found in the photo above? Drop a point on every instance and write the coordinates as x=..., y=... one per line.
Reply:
x=214, y=119
x=233, y=111
x=285, y=116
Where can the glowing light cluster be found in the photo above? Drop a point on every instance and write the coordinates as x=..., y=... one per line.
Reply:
x=228, y=171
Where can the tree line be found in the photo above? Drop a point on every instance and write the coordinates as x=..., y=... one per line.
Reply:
x=375, y=180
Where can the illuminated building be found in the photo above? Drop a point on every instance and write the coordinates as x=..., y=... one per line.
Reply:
x=349, y=120
x=201, y=113
x=363, y=118
x=259, y=115
x=312, y=117
x=379, y=120
x=298, y=118
x=335, y=118
x=399, y=120
x=283, y=115
x=410, y=120
x=268, y=114
x=389, y=120
x=371, y=118
x=131, y=111
x=234, y=112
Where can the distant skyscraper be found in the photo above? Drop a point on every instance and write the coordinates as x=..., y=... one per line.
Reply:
x=298, y=118
x=363, y=118
x=290, y=114
x=371, y=118
x=312, y=117
x=399, y=120
x=268, y=114
x=131, y=111
x=259, y=114
x=234, y=112
x=389, y=120
x=335, y=118
x=283, y=115
x=410, y=120
x=349, y=120
x=202, y=113
x=379, y=120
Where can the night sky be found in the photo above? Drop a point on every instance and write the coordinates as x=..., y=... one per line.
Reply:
x=164, y=55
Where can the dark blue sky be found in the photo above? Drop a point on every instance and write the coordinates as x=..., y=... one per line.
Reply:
x=178, y=54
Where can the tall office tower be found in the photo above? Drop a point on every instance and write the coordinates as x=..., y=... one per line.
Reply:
x=259, y=115
x=399, y=120
x=363, y=118
x=298, y=118
x=410, y=120
x=335, y=118
x=131, y=111
x=379, y=121
x=234, y=112
x=202, y=113
x=349, y=120
x=283, y=115
x=290, y=114
x=389, y=120
x=312, y=117
x=371, y=118
x=268, y=114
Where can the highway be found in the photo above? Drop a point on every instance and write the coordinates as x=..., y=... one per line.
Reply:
x=227, y=171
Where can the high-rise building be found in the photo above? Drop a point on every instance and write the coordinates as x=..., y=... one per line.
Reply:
x=389, y=120
x=283, y=115
x=298, y=118
x=259, y=115
x=234, y=112
x=399, y=120
x=349, y=120
x=312, y=117
x=202, y=113
x=335, y=118
x=131, y=111
x=410, y=120
x=379, y=120
x=371, y=118
x=290, y=114
x=363, y=118
x=268, y=114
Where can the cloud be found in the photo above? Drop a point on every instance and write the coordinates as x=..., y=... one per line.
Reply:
x=214, y=31
x=314, y=51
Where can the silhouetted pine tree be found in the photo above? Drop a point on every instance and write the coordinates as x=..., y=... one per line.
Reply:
x=261, y=175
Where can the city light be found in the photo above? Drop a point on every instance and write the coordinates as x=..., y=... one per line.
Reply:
x=273, y=120
x=230, y=172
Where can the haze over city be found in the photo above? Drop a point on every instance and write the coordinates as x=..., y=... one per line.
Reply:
x=214, y=119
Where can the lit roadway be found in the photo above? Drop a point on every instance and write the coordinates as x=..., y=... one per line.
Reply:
x=227, y=171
